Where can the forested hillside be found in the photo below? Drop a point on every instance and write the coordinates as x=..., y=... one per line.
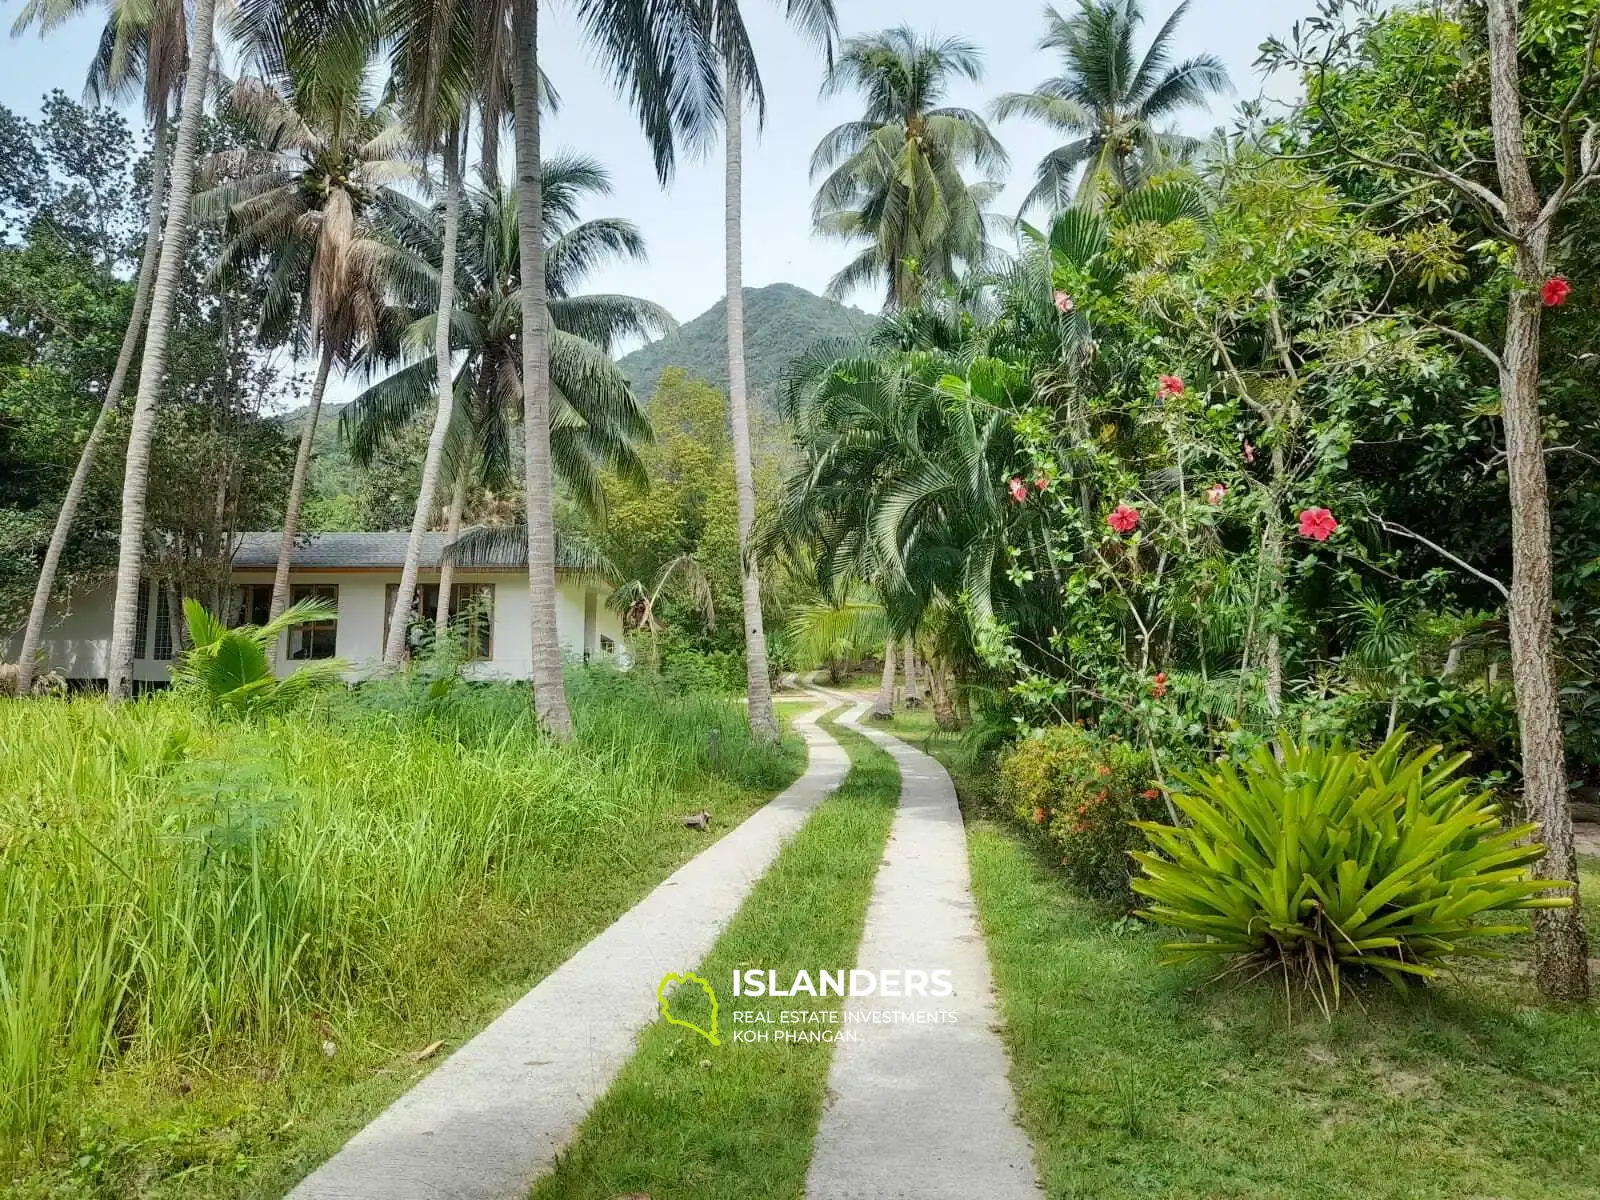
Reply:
x=780, y=322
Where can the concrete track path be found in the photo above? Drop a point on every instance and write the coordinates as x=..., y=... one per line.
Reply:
x=922, y=1111
x=491, y=1118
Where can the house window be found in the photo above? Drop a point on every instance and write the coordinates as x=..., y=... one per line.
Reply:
x=163, y=646
x=315, y=639
x=249, y=604
x=607, y=645
x=141, y=626
x=471, y=614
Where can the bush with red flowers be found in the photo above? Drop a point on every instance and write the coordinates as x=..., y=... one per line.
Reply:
x=1078, y=793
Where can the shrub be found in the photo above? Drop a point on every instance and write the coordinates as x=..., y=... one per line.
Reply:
x=1331, y=860
x=1082, y=793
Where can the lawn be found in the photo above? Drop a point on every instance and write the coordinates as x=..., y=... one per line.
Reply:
x=689, y=1121
x=224, y=947
x=1135, y=1079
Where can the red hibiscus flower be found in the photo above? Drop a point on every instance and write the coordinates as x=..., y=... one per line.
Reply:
x=1159, y=688
x=1216, y=494
x=1317, y=524
x=1151, y=794
x=1042, y=483
x=1018, y=489
x=1171, y=385
x=1123, y=519
x=1064, y=302
x=1038, y=816
x=1249, y=451
x=1556, y=291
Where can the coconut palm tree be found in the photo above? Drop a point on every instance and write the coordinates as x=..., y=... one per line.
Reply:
x=894, y=178
x=142, y=52
x=302, y=201
x=153, y=365
x=663, y=55
x=1110, y=103
x=597, y=421
x=816, y=19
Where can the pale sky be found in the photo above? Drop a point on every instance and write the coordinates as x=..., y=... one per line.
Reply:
x=682, y=225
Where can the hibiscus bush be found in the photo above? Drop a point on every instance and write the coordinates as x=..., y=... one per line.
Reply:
x=1080, y=793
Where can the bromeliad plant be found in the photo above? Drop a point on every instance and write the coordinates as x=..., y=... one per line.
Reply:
x=1331, y=860
x=228, y=669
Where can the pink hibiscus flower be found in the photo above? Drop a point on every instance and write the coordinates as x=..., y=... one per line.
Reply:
x=1216, y=493
x=1171, y=385
x=1123, y=519
x=1317, y=524
x=1556, y=291
x=1018, y=489
x=1064, y=303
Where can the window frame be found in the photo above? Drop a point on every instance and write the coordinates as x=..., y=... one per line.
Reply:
x=312, y=633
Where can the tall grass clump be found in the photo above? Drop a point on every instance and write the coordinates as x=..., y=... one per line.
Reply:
x=175, y=884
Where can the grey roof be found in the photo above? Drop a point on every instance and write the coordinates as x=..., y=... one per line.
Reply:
x=334, y=551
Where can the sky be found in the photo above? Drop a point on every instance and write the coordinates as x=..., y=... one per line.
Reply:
x=682, y=224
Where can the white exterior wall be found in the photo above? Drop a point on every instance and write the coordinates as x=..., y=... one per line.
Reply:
x=77, y=634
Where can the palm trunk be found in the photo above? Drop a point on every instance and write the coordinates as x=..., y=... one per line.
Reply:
x=1561, y=965
x=913, y=689
x=447, y=567
x=944, y=713
x=175, y=627
x=152, y=368
x=395, y=649
x=549, y=694
x=763, y=724
x=113, y=399
x=297, y=492
x=884, y=706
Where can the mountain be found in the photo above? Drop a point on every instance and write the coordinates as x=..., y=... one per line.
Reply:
x=781, y=322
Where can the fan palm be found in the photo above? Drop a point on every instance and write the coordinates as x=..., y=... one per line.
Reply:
x=143, y=51
x=894, y=178
x=1109, y=102
x=302, y=200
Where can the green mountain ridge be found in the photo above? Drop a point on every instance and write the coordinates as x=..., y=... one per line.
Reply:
x=781, y=322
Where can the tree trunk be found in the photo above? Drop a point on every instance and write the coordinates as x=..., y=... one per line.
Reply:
x=175, y=625
x=913, y=690
x=113, y=399
x=944, y=713
x=884, y=706
x=763, y=724
x=1561, y=965
x=963, y=703
x=152, y=368
x=297, y=491
x=452, y=530
x=549, y=695
x=443, y=411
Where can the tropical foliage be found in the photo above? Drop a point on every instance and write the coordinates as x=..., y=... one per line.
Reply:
x=1321, y=862
x=229, y=670
x=1112, y=102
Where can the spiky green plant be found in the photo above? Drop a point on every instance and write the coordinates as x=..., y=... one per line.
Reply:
x=1330, y=860
x=230, y=671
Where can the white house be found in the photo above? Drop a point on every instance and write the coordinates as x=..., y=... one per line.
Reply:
x=359, y=573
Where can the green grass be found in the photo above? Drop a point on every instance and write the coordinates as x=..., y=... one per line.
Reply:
x=689, y=1121
x=192, y=914
x=1139, y=1080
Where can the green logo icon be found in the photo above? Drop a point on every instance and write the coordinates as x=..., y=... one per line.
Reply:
x=666, y=1004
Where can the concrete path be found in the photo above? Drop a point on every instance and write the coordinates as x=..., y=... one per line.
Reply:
x=922, y=1111
x=491, y=1118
